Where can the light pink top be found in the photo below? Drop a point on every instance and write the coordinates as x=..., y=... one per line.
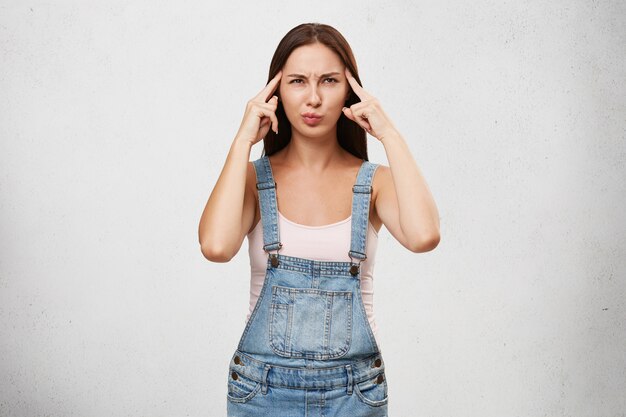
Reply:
x=330, y=242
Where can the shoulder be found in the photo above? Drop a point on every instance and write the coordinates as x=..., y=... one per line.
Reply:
x=382, y=173
x=381, y=180
x=251, y=178
x=251, y=171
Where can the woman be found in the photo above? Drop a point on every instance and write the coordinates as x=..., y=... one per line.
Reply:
x=309, y=346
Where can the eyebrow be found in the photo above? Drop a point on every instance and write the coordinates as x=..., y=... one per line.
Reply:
x=321, y=76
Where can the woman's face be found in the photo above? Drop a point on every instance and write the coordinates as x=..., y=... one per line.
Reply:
x=313, y=81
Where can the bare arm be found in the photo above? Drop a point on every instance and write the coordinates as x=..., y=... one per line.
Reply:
x=404, y=202
x=230, y=210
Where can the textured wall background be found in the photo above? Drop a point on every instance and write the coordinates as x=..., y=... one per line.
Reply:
x=116, y=118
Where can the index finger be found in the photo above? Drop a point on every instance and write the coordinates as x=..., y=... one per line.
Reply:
x=358, y=90
x=270, y=87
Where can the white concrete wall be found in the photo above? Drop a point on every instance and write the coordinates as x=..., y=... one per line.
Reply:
x=116, y=118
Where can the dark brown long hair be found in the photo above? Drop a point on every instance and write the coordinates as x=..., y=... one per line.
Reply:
x=350, y=135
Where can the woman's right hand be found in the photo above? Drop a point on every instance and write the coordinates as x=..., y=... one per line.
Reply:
x=260, y=113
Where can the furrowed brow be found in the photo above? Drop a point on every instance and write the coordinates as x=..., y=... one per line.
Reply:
x=321, y=76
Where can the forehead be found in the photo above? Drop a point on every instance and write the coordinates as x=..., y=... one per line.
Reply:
x=313, y=59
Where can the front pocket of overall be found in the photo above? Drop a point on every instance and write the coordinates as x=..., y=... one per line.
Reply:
x=372, y=392
x=241, y=389
x=310, y=322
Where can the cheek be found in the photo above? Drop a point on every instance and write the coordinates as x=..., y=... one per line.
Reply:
x=290, y=101
x=339, y=99
x=287, y=103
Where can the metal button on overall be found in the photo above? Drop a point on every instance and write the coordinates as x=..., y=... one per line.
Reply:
x=380, y=379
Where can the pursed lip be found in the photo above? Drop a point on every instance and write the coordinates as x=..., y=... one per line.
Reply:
x=312, y=115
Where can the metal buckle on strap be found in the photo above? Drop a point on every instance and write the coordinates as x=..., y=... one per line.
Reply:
x=280, y=245
x=355, y=268
x=365, y=189
x=350, y=252
x=265, y=185
x=273, y=257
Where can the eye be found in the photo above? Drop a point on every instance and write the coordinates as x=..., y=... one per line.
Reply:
x=334, y=80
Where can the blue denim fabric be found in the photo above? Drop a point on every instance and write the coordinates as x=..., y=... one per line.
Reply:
x=308, y=348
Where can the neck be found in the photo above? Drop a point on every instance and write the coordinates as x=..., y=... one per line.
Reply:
x=314, y=154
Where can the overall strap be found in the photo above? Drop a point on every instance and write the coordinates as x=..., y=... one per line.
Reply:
x=268, y=205
x=362, y=192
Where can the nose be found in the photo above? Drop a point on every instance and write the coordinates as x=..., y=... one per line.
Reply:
x=314, y=98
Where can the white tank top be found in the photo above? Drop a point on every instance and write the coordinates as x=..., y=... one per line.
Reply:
x=330, y=242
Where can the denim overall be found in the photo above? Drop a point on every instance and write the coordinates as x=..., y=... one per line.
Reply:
x=308, y=349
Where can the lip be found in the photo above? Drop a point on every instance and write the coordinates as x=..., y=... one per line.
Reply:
x=311, y=119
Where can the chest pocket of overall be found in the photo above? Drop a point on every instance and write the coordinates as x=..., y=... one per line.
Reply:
x=310, y=322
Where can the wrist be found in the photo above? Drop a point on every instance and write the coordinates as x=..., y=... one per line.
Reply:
x=392, y=135
x=242, y=143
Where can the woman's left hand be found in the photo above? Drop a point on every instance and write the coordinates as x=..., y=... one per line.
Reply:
x=368, y=113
